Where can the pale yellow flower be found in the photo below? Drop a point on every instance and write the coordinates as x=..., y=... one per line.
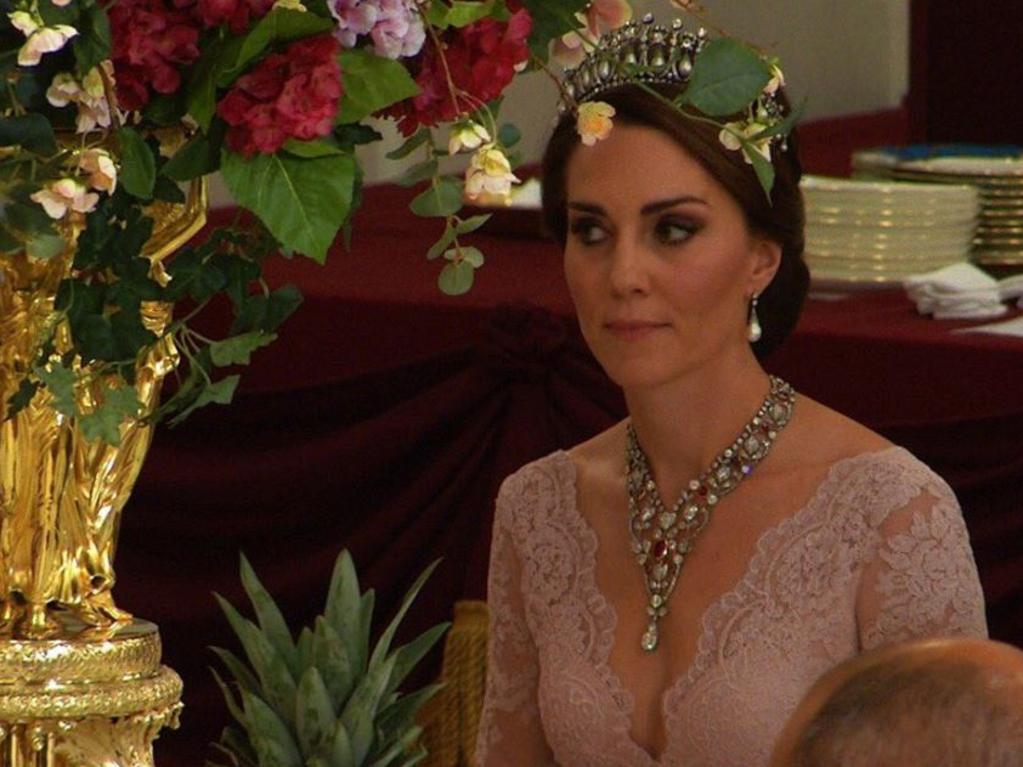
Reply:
x=467, y=135
x=489, y=172
x=41, y=39
x=289, y=5
x=593, y=123
x=99, y=166
x=89, y=96
x=777, y=80
x=59, y=197
x=749, y=129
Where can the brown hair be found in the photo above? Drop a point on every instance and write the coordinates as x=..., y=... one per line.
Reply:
x=781, y=219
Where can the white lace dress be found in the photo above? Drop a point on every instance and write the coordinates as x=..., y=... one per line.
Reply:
x=879, y=554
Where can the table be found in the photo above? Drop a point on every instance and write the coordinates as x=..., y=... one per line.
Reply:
x=387, y=414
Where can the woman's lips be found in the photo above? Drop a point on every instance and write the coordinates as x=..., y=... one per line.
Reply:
x=633, y=330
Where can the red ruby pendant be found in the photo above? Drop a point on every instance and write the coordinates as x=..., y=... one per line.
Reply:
x=660, y=550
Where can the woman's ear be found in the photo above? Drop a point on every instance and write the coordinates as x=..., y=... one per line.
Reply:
x=766, y=261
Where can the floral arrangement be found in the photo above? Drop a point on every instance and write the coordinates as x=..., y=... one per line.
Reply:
x=111, y=107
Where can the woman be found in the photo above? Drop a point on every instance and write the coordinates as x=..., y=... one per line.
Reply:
x=628, y=628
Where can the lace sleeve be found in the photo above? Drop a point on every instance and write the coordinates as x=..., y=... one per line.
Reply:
x=920, y=578
x=510, y=731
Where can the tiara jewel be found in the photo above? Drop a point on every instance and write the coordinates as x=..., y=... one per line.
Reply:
x=648, y=53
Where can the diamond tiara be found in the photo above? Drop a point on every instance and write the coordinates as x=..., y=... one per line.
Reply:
x=645, y=52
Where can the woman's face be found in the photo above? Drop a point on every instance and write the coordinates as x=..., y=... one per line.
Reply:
x=659, y=260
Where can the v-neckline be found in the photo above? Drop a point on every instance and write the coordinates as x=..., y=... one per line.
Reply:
x=685, y=680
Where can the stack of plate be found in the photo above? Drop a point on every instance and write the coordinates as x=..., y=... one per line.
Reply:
x=999, y=180
x=876, y=233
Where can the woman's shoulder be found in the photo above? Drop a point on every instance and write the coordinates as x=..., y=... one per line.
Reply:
x=867, y=471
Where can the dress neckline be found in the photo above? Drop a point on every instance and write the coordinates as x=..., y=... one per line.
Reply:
x=706, y=640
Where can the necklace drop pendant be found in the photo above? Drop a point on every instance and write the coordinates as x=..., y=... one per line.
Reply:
x=649, y=641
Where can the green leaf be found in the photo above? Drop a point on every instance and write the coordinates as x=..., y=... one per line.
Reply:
x=456, y=279
x=342, y=609
x=350, y=135
x=138, y=166
x=302, y=201
x=304, y=648
x=366, y=607
x=361, y=710
x=243, y=676
x=280, y=25
x=551, y=21
x=331, y=657
x=314, y=148
x=237, y=350
x=92, y=45
x=371, y=83
x=201, y=155
x=60, y=382
x=472, y=223
x=45, y=246
x=104, y=422
x=341, y=752
x=272, y=623
x=314, y=713
x=220, y=393
x=457, y=13
x=31, y=131
x=270, y=736
x=441, y=199
x=233, y=704
x=418, y=172
x=267, y=313
x=417, y=140
x=408, y=656
x=398, y=716
x=398, y=747
x=783, y=127
x=509, y=135
x=383, y=646
x=28, y=218
x=727, y=77
x=763, y=168
x=202, y=83
x=167, y=109
x=441, y=245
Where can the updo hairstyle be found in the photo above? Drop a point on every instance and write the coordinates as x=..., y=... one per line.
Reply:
x=781, y=219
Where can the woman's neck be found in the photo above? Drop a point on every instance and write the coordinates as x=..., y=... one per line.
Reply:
x=683, y=425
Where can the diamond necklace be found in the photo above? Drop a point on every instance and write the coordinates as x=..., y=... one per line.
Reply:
x=662, y=539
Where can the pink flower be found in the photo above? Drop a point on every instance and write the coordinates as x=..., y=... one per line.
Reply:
x=601, y=17
x=394, y=25
x=237, y=14
x=59, y=197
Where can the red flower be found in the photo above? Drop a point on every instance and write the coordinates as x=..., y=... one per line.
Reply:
x=481, y=58
x=293, y=94
x=237, y=14
x=152, y=42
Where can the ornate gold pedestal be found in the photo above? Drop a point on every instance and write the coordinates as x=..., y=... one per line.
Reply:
x=75, y=703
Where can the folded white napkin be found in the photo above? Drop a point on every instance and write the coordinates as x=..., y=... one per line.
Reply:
x=962, y=291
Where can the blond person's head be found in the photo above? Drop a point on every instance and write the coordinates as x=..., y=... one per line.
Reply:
x=932, y=703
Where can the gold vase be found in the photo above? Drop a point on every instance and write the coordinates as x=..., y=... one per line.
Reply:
x=80, y=679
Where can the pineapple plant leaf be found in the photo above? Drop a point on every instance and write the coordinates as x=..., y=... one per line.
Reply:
x=324, y=700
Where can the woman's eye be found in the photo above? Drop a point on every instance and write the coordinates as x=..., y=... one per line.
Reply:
x=588, y=231
x=672, y=231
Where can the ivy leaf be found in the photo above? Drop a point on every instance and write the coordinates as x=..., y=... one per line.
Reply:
x=302, y=201
x=441, y=199
x=28, y=218
x=200, y=156
x=118, y=405
x=350, y=135
x=371, y=83
x=280, y=25
x=237, y=350
x=442, y=244
x=31, y=131
x=202, y=83
x=167, y=109
x=92, y=45
x=417, y=140
x=417, y=173
x=192, y=276
x=551, y=21
x=219, y=393
x=457, y=13
x=727, y=77
x=167, y=190
x=45, y=246
x=60, y=382
x=456, y=278
x=267, y=313
x=138, y=166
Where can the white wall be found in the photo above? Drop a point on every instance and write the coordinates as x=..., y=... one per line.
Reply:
x=845, y=56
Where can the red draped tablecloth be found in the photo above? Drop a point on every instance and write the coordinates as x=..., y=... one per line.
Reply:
x=387, y=414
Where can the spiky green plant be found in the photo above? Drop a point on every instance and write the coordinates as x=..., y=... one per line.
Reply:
x=325, y=700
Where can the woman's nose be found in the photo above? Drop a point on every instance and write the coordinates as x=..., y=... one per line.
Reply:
x=628, y=269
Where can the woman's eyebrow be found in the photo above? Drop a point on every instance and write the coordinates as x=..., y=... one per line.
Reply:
x=651, y=207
